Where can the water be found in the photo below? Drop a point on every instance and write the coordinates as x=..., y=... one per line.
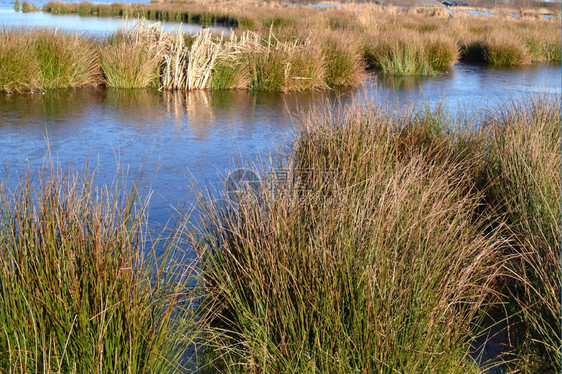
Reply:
x=99, y=26
x=199, y=135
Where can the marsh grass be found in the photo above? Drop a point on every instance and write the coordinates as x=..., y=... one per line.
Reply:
x=291, y=49
x=543, y=48
x=130, y=59
x=525, y=185
x=129, y=65
x=412, y=53
x=441, y=51
x=28, y=7
x=343, y=63
x=402, y=56
x=20, y=73
x=66, y=60
x=389, y=252
x=504, y=50
x=230, y=73
x=306, y=70
x=84, y=285
x=287, y=67
x=155, y=12
x=43, y=59
x=381, y=265
x=267, y=71
x=358, y=22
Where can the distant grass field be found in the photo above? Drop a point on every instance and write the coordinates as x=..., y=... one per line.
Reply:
x=274, y=47
x=366, y=22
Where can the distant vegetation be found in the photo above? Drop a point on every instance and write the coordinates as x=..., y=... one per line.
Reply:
x=290, y=48
x=405, y=230
x=28, y=7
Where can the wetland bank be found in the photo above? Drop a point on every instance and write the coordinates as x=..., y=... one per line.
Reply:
x=380, y=237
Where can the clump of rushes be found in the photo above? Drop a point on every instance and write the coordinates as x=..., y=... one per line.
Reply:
x=266, y=64
x=305, y=70
x=505, y=50
x=552, y=50
x=17, y=5
x=411, y=53
x=82, y=289
x=230, y=73
x=343, y=63
x=66, y=60
x=43, y=59
x=286, y=67
x=21, y=72
x=524, y=176
x=28, y=7
x=129, y=61
x=441, y=51
x=543, y=48
x=402, y=54
x=373, y=260
x=267, y=70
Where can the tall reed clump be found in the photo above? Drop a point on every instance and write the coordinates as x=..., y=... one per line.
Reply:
x=411, y=53
x=343, y=63
x=28, y=7
x=524, y=176
x=231, y=69
x=286, y=66
x=44, y=59
x=364, y=255
x=82, y=289
x=66, y=60
x=401, y=55
x=248, y=61
x=20, y=71
x=505, y=50
x=543, y=48
x=210, y=61
x=130, y=59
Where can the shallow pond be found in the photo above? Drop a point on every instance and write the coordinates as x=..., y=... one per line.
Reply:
x=199, y=135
